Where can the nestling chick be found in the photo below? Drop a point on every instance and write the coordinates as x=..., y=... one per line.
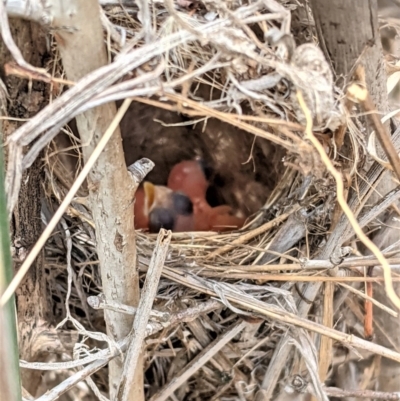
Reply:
x=189, y=177
x=159, y=207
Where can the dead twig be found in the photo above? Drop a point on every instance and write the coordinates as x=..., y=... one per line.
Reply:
x=148, y=294
x=265, y=277
x=369, y=394
x=100, y=302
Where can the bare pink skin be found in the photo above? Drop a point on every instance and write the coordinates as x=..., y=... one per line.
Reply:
x=188, y=177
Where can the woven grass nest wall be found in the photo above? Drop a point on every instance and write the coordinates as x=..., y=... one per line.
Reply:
x=237, y=314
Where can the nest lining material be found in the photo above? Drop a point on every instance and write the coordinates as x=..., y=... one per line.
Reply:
x=236, y=268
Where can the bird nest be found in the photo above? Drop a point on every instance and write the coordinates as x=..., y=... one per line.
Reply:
x=231, y=315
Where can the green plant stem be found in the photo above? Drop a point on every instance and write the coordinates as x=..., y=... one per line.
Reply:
x=10, y=381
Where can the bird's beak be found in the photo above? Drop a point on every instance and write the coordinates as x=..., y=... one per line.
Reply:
x=149, y=194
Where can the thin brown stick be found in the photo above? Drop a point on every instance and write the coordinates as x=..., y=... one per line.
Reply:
x=21, y=72
x=368, y=313
x=325, y=349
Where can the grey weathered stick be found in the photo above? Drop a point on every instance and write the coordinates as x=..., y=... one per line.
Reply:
x=375, y=211
x=140, y=169
x=376, y=395
x=73, y=380
x=199, y=361
x=111, y=189
x=144, y=16
x=100, y=302
x=143, y=314
x=288, y=235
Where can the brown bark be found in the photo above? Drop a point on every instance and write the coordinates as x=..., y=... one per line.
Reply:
x=348, y=33
x=26, y=99
x=111, y=190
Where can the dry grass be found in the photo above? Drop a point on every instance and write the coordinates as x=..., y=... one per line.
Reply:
x=198, y=348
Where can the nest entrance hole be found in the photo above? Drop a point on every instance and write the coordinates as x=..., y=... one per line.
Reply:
x=244, y=169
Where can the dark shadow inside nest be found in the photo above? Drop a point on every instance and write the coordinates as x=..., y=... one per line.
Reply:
x=244, y=168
